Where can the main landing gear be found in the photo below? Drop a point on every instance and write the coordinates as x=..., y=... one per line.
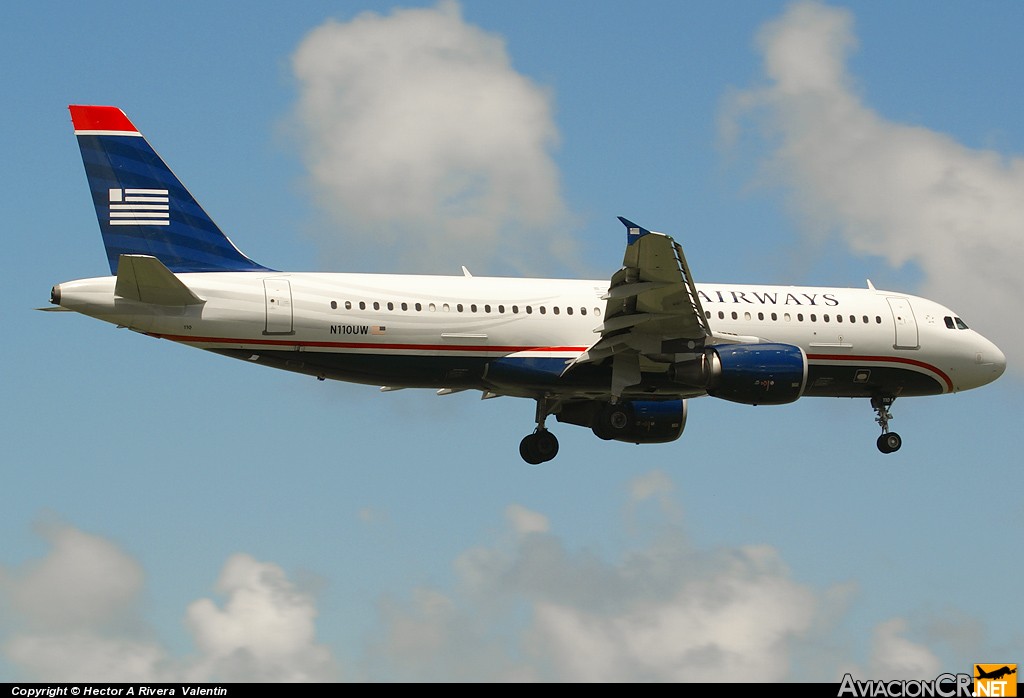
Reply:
x=540, y=446
x=889, y=441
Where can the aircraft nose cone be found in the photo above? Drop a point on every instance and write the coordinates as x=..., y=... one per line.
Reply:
x=998, y=361
x=991, y=362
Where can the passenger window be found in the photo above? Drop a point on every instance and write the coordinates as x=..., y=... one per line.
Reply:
x=721, y=315
x=529, y=310
x=583, y=311
x=432, y=307
x=459, y=307
x=597, y=312
x=568, y=311
x=334, y=305
x=853, y=318
x=824, y=318
x=472, y=308
x=419, y=307
x=447, y=308
x=865, y=318
x=543, y=310
x=799, y=317
x=814, y=318
x=746, y=315
x=391, y=306
x=775, y=317
x=760, y=316
x=501, y=309
x=787, y=317
x=362, y=305
x=376, y=305
x=348, y=305
x=405, y=306
x=487, y=308
x=707, y=314
x=839, y=318
x=878, y=319
x=555, y=310
x=515, y=309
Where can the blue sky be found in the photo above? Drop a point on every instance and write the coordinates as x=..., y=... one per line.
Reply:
x=170, y=514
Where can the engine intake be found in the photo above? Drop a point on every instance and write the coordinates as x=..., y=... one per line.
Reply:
x=631, y=421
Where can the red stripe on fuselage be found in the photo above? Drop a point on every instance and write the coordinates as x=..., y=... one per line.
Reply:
x=511, y=349
x=884, y=359
x=362, y=345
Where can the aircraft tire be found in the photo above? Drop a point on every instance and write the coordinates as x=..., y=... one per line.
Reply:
x=890, y=442
x=538, y=447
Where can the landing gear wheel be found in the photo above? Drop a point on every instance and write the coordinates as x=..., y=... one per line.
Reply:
x=538, y=447
x=890, y=442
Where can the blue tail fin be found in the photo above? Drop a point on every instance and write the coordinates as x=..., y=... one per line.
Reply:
x=141, y=206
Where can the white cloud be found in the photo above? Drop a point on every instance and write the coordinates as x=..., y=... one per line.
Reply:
x=904, y=193
x=85, y=581
x=735, y=624
x=423, y=141
x=526, y=608
x=526, y=521
x=90, y=656
x=532, y=609
x=76, y=617
x=266, y=629
x=894, y=656
x=656, y=486
x=77, y=613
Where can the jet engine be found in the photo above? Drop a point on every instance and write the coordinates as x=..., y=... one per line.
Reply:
x=631, y=421
x=751, y=374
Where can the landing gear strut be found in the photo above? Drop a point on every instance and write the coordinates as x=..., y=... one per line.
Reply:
x=889, y=441
x=540, y=446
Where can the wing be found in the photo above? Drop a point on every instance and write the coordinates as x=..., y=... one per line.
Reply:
x=653, y=313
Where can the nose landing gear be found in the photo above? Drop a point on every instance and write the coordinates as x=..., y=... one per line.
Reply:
x=889, y=441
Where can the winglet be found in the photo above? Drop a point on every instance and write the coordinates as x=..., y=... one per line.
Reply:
x=633, y=231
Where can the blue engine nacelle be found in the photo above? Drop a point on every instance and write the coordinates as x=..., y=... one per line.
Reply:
x=756, y=374
x=632, y=421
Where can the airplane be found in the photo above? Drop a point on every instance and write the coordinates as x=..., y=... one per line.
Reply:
x=621, y=357
x=996, y=674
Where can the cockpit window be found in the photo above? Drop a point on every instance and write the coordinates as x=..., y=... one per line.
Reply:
x=960, y=324
x=949, y=322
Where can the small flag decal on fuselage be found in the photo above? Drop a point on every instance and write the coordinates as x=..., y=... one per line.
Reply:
x=139, y=207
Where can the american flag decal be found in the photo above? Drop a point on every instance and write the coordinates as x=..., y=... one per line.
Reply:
x=377, y=329
x=139, y=207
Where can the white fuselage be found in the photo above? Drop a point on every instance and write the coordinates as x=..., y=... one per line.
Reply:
x=441, y=331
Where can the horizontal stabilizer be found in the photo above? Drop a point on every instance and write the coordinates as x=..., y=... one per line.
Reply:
x=145, y=279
